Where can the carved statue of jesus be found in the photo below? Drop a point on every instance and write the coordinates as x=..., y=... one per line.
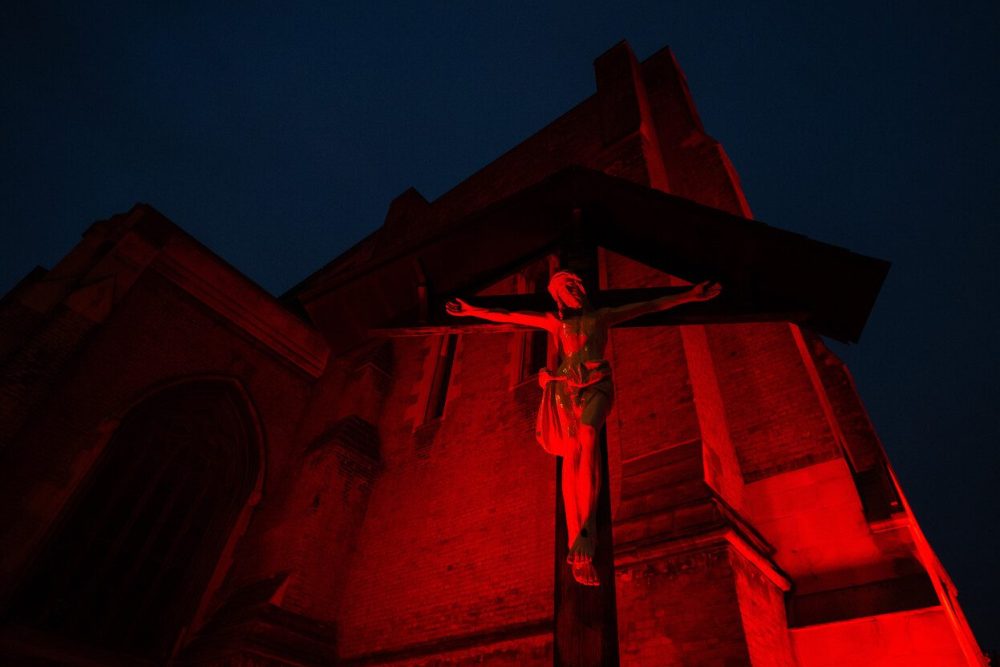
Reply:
x=577, y=396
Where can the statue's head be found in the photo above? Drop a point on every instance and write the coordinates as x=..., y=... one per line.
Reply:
x=567, y=289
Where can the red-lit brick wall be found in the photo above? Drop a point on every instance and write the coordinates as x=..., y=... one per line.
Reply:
x=774, y=416
x=682, y=610
x=762, y=609
x=458, y=537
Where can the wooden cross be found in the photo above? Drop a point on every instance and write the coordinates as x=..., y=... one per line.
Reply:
x=577, y=251
x=767, y=275
x=717, y=311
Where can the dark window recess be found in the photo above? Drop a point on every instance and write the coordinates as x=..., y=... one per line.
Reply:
x=442, y=378
x=535, y=350
x=535, y=353
x=910, y=591
x=130, y=557
x=877, y=492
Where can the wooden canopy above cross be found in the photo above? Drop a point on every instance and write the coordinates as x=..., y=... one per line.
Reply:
x=768, y=273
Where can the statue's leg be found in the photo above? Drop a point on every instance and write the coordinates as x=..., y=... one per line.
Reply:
x=569, y=463
x=588, y=482
x=595, y=412
x=587, y=486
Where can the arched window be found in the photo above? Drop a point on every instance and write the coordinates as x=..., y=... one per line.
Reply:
x=128, y=561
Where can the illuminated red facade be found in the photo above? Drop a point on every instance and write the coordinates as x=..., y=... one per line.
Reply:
x=195, y=471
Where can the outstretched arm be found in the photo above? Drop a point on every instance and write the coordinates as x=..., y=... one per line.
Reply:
x=460, y=308
x=700, y=292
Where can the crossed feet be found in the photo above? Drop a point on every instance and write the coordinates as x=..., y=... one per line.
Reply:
x=581, y=560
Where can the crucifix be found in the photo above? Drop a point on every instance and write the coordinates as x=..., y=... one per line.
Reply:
x=577, y=396
x=769, y=275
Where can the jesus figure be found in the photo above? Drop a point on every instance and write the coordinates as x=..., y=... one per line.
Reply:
x=577, y=396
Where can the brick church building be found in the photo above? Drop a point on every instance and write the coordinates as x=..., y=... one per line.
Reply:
x=196, y=472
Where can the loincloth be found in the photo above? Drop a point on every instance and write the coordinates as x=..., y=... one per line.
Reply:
x=565, y=397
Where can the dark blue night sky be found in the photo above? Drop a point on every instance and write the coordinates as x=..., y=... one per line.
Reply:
x=278, y=134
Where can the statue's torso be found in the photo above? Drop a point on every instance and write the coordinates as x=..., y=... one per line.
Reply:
x=582, y=341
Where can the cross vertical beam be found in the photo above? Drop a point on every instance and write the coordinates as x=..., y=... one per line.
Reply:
x=578, y=250
x=586, y=619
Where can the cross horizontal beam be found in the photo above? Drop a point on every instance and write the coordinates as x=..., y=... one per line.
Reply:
x=389, y=285
x=723, y=310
